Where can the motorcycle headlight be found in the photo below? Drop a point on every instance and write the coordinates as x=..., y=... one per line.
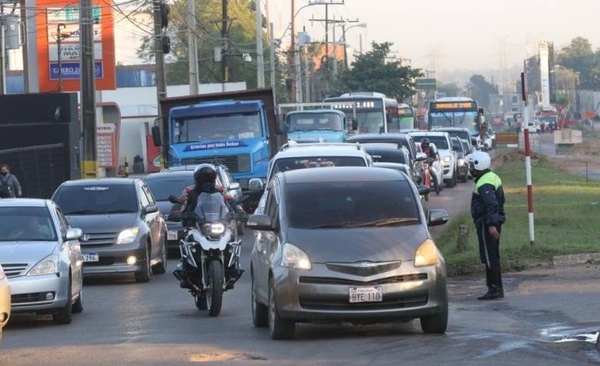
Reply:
x=213, y=229
x=128, y=235
x=294, y=257
x=427, y=254
x=48, y=265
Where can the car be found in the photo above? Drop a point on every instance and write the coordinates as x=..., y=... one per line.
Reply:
x=41, y=256
x=4, y=300
x=460, y=132
x=173, y=182
x=329, y=248
x=461, y=159
x=448, y=155
x=123, y=230
x=435, y=166
x=423, y=190
x=293, y=156
x=382, y=152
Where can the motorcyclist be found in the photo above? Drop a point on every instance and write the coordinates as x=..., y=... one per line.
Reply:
x=205, y=177
x=432, y=156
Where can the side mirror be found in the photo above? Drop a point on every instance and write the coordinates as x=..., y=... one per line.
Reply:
x=259, y=222
x=156, y=139
x=423, y=189
x=436, y=217
x=73, y=234
x=421, y=156
x=150, y=209
x=256, y=185
x=234, y=186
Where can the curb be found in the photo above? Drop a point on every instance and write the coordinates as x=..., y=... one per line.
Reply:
x=571, y=259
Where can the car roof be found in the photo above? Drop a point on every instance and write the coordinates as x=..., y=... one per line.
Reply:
x=341, y=174
x=321, y=149
x=100, y=181
x=430, y=133
x=443, y=129
x=24, y=202
x=169, y=173
x=379, y=136
x=389, y=164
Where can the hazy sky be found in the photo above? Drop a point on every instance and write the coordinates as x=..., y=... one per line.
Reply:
x=452, y=34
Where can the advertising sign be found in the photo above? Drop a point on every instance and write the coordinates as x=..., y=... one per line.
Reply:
x=60, y=26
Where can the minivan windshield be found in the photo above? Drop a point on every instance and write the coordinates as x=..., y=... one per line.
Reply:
x=96, y=199
x=26, y=224
x=333, y=205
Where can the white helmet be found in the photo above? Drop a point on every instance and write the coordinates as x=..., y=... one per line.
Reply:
x=479, y=160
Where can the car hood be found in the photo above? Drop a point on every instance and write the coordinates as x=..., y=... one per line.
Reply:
x=359, y=244
x=110, y=223
x=26, y=251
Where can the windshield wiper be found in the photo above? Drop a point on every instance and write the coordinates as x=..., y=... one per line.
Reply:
x=84, y=212
x=337, y=225
x=389, y=221
x=121, y=210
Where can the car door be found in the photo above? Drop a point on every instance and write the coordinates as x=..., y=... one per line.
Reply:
x=72, y=251
x=263, y=242
x=152, y=220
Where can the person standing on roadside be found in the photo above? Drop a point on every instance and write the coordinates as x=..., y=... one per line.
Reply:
x=9, y=184
x=487, y=210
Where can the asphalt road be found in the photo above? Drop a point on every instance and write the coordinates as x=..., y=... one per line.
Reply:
x=548, y=317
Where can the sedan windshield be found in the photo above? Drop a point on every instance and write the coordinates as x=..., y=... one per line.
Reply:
x=26, y=224
x=351, y=204
x=97, y=200
x=285, y=164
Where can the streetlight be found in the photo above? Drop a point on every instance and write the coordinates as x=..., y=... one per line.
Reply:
x=344, y=30
x=59, y=38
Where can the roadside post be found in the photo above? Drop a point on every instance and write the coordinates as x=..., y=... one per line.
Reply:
x=527, y=160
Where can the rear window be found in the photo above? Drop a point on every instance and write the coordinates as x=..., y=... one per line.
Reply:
x=97, y=199
x=285, y=164
x=163, y=187
x=388, y=155
x=26, y=224
x=351, y=204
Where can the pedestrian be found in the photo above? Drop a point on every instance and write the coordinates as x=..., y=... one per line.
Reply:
x=487, y=210
x=9, y=184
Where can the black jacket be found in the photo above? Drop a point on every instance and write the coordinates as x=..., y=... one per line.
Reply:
x=487, y=201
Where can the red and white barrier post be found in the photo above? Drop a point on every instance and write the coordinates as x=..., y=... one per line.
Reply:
x=527, y=160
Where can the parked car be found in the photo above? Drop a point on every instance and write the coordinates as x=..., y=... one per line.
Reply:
x=4, y=300
x=461, y=159
x=448, y=155
x=331, y=249
x=123, y=231
x=41, y=257
x=173, y=181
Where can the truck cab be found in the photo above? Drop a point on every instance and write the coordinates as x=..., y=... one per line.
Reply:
x=324, y=125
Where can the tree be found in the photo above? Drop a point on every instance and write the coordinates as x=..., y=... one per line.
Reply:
x=451, y=89
x=373, y=71
x=481, y=90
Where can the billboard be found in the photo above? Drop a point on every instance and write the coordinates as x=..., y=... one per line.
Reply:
x=60, y=18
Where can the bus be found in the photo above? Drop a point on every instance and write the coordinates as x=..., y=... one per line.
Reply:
x=452, y=112
x=370, y=112
x=407, y=117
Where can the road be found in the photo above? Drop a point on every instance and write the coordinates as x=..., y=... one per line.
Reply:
x=548, y=317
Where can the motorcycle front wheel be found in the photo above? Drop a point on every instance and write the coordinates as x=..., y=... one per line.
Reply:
x=214, y=290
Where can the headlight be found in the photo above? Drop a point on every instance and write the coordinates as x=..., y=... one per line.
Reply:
x=447, y=159
x=46, y=266
x=461, y=162
x=427, y=254
x=213, y=229
x=128, y=235
x=293, y=257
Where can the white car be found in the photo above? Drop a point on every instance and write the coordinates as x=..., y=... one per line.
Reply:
x=4, y=301
x=447, y=154
x=41, y=257
x=294, y=156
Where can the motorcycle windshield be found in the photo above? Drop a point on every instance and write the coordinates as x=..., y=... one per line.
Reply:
x=211, y=207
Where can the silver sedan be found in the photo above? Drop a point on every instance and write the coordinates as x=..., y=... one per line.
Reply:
x=41, y=257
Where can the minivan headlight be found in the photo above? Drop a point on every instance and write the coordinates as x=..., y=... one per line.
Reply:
x=294, y=257
x=128, y=235
x=46, y=266
x=427, y=254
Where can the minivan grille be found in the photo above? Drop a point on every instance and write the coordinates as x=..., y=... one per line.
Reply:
x=14, y=269
x=235, y=163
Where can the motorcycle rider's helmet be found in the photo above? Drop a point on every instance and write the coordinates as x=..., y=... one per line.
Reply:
x=205, y=176
x=425, y=143
x=479, y=161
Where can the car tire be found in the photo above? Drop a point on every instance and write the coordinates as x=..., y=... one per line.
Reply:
x=65, y=314
x=78, y=305
x=279, y=328
x=435, y=324
x=161, y=268
x=260, y=313
x=144, y=275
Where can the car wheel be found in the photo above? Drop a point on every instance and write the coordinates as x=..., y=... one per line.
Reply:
x=435, y=324
x=78, y=305
x=260, y=313
x=144, y=274
x=161, y=268
x=65, y=315
x=278, y=328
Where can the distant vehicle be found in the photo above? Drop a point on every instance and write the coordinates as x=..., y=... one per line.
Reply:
x=123, y=230
x=4, y=301
x=407, y=117
x=452, y=112
x=461, y=159
x=369, y=112
x=446, y=151
x=41, y=257
x=460, y=132
x=325, y=125
x=330, y=249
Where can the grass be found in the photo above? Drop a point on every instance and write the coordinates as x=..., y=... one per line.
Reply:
x=565, y=207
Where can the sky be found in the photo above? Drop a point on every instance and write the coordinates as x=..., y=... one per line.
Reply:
x=446, y=35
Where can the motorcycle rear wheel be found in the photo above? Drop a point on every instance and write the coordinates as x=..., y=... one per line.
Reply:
x=214, y=290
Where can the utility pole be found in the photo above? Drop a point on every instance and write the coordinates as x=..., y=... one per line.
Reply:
x=260, y=62
x=293, y=50
x=272, y=61
x=161, y=14
x=225, y=40
x=327, y=21
x=2, y=50
x=192, y=47
x=59, y=37
x=88, y=88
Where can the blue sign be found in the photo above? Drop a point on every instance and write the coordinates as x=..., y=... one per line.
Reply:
x=72, y=70
x=214, y=145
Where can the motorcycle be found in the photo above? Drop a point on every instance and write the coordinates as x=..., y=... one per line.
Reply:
x=210, y=252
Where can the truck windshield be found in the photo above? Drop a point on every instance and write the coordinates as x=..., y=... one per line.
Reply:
x=217, y=127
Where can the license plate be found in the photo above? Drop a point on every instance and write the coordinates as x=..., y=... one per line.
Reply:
x=366, y=294
x=90, y=257
x=172, y=235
